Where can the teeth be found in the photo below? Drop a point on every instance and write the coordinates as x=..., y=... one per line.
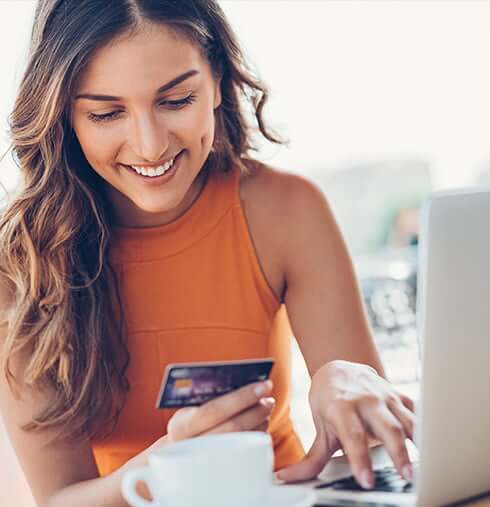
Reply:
x=154, y=171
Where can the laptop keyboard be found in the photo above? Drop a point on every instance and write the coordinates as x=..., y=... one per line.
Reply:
x=387, y=480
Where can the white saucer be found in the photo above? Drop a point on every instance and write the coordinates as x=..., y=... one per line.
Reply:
x=286, y=496
x=290, y=496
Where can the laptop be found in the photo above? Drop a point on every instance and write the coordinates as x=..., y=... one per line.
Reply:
x=452, y=433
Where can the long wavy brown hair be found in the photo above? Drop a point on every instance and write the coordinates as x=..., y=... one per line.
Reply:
x=65, y=313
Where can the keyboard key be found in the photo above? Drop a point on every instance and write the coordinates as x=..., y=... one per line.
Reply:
x=387, y=480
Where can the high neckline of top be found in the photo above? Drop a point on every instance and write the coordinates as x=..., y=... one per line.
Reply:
x=147, y=243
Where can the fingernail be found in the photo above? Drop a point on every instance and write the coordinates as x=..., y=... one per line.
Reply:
x=278, y=476
x=407, y=473
x=263, y=387
x=366, y=479
x=269, y=402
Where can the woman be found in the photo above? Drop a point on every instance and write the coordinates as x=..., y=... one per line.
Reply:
x=144, y=234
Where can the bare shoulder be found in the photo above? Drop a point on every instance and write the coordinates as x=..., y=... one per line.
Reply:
x=284, y=200
x=274, y=183
x=284, y=211
x=278, y=187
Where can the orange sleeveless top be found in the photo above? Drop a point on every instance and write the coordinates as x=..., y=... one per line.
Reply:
x=193, y=290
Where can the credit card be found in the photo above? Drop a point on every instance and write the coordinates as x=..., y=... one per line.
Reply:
x=191, y=384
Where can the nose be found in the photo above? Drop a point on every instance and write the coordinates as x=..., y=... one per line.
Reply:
x=149, y=138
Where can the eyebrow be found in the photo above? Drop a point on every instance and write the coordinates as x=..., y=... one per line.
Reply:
x=164, y=88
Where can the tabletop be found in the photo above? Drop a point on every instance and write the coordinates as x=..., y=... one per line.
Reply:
x=482, y=501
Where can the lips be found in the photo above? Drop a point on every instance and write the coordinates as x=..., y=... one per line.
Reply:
x=154, y=171
x=155, y=179
x=147, y=167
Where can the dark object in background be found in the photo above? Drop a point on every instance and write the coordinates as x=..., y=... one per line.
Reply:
x=388, y=284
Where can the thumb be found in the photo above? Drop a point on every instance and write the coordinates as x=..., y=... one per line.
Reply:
x=180, y=425
x=311, y=465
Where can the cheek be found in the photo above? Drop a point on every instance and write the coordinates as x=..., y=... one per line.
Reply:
x=99, y=145
x=195, y=125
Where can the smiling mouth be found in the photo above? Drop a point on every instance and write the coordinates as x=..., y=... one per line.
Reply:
x=154, y=170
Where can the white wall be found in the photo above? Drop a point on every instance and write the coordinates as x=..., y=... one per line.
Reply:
x=366, y=79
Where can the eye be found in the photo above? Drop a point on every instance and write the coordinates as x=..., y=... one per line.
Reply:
x=103, y=117
x=178, y=104
x=173, y=104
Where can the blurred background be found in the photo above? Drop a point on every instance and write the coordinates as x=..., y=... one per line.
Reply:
x=383, y=102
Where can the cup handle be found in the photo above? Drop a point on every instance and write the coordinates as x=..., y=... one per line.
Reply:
x=129, y=481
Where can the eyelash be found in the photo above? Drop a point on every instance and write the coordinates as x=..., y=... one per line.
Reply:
x=176, y=104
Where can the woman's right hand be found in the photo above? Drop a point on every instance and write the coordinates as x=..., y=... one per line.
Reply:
x=246, y=409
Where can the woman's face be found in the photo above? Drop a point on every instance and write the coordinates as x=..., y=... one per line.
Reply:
x=143, y=102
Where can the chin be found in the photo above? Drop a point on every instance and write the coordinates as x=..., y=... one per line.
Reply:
x=155, y=209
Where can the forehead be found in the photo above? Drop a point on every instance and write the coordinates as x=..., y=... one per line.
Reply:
x=141, y=62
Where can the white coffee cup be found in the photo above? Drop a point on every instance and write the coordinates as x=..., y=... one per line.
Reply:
x=211, y=471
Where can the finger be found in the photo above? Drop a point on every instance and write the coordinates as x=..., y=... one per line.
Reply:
x=263, y=426
x=180, y=425
x=354, y=441
x=390, y=430
x=311, y=465
x=405, y=416
x=247, y=420
x=407, y=402
x=200, y=419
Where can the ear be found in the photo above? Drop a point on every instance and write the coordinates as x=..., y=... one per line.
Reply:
x=217, y=93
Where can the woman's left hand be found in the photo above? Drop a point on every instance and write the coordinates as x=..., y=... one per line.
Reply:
x=351, y=403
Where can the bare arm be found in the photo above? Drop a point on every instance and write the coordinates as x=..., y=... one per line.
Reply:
x=351, y=401
x=58, y=474
x=99, y=491
x=323, y=298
